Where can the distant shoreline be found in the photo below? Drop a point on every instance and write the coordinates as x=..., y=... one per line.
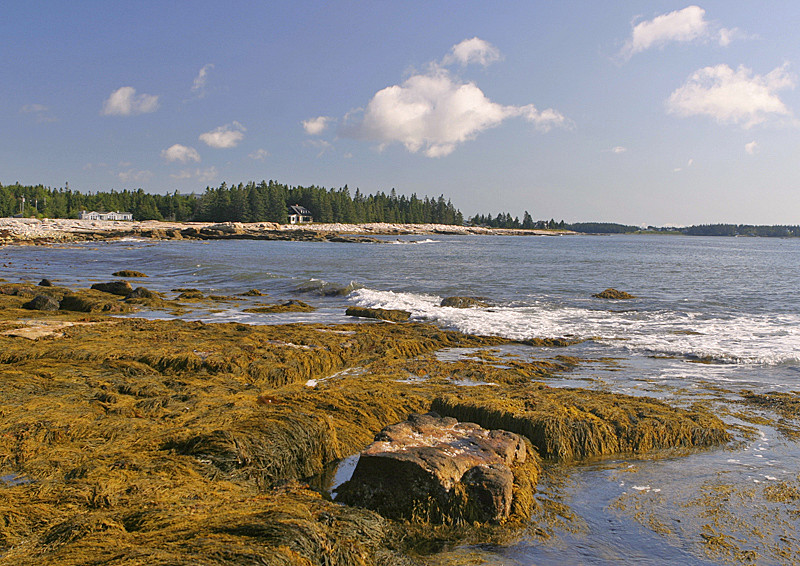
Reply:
x=60, y=230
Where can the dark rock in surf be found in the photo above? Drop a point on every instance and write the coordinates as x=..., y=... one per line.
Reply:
x=392, y=315
x=463, y=302
x=45, y=283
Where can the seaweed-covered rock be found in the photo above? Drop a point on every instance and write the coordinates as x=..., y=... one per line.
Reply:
x=190, y=294
x=41, y=303
x=434, y=469
x=252, y=293
x=91, y=302
x=463, y=302
x=392, y=315
x=122, y=288
x=612, y=293
x=288, y=306
x=128, y=273
x=45, y=283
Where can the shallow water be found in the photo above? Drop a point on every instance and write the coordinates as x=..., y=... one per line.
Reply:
x=712, y=317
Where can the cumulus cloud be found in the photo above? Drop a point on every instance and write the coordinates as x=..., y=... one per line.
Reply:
x=225, y=136
x=473, y=50
x=181, y=153
x=125, y=102
x=751, y=148
x=736, y=97
x=199, y=84
x=435, y=112
x=259, y=155
x=684, y=25
x=202, y=175
x=315, y=126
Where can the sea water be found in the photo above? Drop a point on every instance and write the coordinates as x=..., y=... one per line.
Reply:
x=711, y=317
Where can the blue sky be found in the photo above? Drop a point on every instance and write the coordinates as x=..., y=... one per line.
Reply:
x=634, y=112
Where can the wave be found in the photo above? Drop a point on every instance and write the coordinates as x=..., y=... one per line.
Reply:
x=733, y=339
x=326, y=288
x=413, y=242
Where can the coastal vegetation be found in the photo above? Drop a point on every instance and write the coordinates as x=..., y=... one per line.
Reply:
x=133, y=441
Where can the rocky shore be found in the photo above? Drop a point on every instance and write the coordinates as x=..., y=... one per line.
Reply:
x=135, y=442
x=44, y=231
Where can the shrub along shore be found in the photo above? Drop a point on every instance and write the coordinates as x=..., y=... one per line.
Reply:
x=132, y=442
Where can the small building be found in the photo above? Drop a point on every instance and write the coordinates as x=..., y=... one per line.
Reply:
x=116, y=215
x=299, y=215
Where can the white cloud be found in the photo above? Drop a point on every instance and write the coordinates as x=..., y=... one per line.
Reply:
x=315, y=126
x=322, y=145
x=125, y=102
x=728, y=96
x=181, y=153
x=202, y=175
x=751, y=148
x=134, y=176
x=40, y=111
x=33, y=108
x=225, y=136
x=473, y=50
x=259, y=154
x=199, y=84
x=684, y=25
x=619, y=149
x=435, y=112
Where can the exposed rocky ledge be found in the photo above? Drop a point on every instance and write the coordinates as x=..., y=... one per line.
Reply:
x=47, y=230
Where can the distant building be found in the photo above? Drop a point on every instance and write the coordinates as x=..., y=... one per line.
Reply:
x=299, y=215
x=93, y=215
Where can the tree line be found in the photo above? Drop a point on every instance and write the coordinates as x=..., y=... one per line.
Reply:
x=251, y=202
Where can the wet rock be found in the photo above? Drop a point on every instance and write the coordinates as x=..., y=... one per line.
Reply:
x=611, y=293
x=434, y=469
x=41, y=303
x=392, y=315
x=252, y=293
x=190, y=294
x=463, y=302
x=45, y=283
x=142, y=293
x=122, y=288
x=128, y=273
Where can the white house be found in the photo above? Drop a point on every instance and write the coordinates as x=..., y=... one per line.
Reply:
x=93, y=215
x=299, y=215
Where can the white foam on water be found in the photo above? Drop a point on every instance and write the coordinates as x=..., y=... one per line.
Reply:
x=743, y=339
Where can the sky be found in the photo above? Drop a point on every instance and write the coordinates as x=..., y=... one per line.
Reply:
x=662, y=113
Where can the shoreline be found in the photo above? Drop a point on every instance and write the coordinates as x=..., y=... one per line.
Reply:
x=61, y=230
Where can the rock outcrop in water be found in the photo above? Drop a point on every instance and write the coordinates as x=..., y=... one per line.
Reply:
x=463, y=302
x=392, y=315
x=436, y=470
x=122, y=288
x=614, y=294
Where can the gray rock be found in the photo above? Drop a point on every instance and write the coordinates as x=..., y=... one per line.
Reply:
x=122, y=288
x=41, y=303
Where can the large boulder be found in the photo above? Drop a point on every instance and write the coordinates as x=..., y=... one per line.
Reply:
x=128, y=273
x=438, y=470
x=122, y=288
x=42, y=303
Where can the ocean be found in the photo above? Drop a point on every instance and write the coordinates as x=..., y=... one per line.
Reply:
x=713, y=318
